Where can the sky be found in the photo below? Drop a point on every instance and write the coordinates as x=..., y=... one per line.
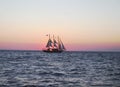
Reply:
x=83, y=25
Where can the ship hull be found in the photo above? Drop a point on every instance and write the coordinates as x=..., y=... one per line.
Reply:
x=53, y=51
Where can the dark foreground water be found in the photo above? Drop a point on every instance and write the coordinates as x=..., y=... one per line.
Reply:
x=67, y=69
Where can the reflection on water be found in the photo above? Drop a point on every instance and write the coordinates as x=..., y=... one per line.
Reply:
x=67, y=69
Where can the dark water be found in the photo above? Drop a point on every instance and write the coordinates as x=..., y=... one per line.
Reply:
x=68, y=69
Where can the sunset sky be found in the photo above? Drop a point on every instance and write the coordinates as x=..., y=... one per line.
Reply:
x=84, y=25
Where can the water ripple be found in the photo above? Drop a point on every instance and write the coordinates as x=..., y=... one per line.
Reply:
x=69, y=69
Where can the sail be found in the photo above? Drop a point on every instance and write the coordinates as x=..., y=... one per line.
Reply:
x=54, y=43
x=62, y=45
x=49, y=43
x=59, y=45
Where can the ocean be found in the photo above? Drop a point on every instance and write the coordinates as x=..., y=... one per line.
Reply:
x=67, y=69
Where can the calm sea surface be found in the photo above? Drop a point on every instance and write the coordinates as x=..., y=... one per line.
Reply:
x=67, y=69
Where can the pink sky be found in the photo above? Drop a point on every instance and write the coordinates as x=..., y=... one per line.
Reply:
x=70, y=47
x=81, y=24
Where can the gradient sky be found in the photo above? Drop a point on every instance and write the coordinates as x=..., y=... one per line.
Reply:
x=81, y=24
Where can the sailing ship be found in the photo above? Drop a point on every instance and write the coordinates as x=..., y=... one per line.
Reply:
x=54, y=46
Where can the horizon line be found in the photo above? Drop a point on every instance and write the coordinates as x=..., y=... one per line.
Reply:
x=64, y=51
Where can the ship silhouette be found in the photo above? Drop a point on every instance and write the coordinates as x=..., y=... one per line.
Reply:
x=54, y=46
